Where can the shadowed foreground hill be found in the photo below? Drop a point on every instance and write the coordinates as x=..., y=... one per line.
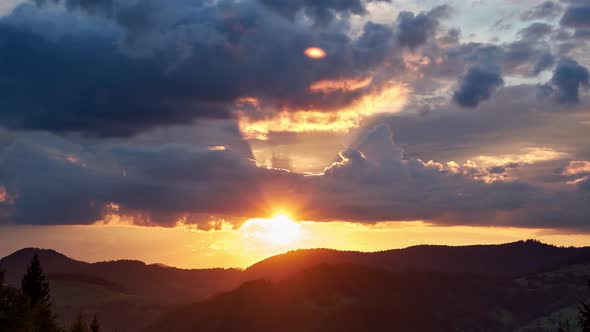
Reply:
x=504, y=260
x=356, y=298
x=156, y=281
x=126, y=294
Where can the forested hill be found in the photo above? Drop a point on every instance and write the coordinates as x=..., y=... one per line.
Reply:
x=504, y=260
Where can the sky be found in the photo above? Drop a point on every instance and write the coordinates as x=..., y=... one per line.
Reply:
x=220, y=132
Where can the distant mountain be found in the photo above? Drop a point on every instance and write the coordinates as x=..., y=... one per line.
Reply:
x=347, y=298
x=130, y=295
x=504, y=260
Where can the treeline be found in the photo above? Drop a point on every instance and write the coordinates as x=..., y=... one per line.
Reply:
x=28, y=309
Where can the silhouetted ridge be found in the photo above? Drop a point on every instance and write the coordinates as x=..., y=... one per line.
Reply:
x=310, y=285
x=504, y=260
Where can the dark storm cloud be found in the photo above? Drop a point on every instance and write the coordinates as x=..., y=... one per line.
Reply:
x=59, y=182
x=138, y=65
x=568, y=78
x=321, y=11
x=546, y=61
x=545, y=10
x=414, y=30
x=577, y=15
x=64, y=86
x=477, y=85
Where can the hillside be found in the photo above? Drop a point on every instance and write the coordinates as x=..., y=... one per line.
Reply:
x=154, y=281
x=357, y=298
x=126, y=294
x=504, y=260
x=122, y=292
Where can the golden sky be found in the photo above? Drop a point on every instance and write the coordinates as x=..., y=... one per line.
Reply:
x=255, y=240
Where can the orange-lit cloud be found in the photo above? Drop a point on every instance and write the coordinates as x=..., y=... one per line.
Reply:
x=390, y=99
x=331, y=86
x=529, y=155
x=3, y=194
x=470, y=169
x=315, y=53
x=577, y=167
x=217, y=148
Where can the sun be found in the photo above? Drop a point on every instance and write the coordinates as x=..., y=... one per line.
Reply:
x=280, y=230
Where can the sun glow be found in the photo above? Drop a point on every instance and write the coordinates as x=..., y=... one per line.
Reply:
x=280, y=230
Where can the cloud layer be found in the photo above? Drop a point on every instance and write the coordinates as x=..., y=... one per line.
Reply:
x=135, y=111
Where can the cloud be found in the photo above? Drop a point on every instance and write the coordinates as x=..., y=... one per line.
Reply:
x=414, y=30
x=56, y=181
x=51, y=180
x=376, y=182
x=546, y=61
x=512, y=119
x=536, y=31
x=321, y=12
x=577, y=167
x=476, y=86
x=576, y=16
x=569, y=76
x=149, y=152
x=170, y=63
x=582, y=34
x=98, y=7
x=544, y=10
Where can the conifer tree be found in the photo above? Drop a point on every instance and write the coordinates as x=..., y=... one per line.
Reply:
x=584, y=318
x=35, y=288
x=13, y=308
x=95, y=325
x=564, y=326
x=34, y=284
x=79, y=325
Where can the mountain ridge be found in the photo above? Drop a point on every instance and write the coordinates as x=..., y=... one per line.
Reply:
x=503, y=260
x=126, y=288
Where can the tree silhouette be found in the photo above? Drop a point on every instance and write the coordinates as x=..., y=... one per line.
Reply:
x=35, y=289
x=34, y=285
x=13, y=308
x=95, y=325
x=79, y=325
x=564, y=326
x=585, y=315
